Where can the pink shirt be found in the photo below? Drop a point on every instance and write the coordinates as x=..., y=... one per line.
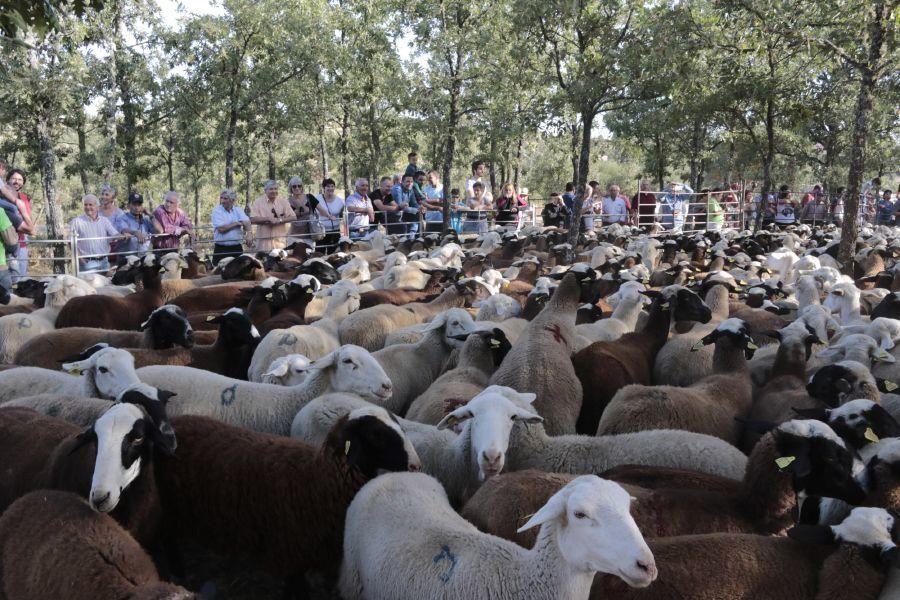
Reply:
x=172, y=225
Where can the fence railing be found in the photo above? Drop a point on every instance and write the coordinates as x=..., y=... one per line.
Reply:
x=687, y=212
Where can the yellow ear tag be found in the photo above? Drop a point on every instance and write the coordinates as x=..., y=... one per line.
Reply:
x=752, y=346
x=162, y=270
x=269, y=296
x=697, y=345
x=347, y=447
x=495, y=344
x=74, y=371
x=881, y=355
x=784, y=462
x=664, y=305
x=890, y=385
x=309, y=290
x=210, y=318
x=870, y=435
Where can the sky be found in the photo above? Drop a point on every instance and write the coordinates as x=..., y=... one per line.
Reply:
x=173, y=10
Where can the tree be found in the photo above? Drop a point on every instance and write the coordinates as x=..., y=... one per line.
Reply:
x=586, y=46
x=37, y=18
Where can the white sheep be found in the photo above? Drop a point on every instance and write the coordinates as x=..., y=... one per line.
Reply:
x=413, y=367
x=312, y=341
x=17, y=329
x=104, y=374
x=498, y=307
x=287, y=370
x=264, y=407
x=623, y=320
x=460, y=462
x=403, y=540
x=843, y=298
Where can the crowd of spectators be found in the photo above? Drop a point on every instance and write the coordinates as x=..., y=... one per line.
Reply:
x=409, y=203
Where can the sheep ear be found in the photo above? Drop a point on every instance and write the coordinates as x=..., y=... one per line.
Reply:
x=164, y=396
x=833, y=354
x=163, y=437
x=527, y=417
x=890, y=556
x=553, y=509
x=82, y=439
x=756, y=425
x=884, y=421
x=455, y=418
x=279, y=371
x=812, y=534
x=886, y=385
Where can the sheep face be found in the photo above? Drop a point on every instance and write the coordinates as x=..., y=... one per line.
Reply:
x=355, y=371
x=858, y=422
x=170, y=327
x=372, y=440
x=837, y=383
x=888, y=307
x=123, y=436
x=867, y=527
x=287, y=370
x=235, y=327
x=596, y=530
x=819, y=461
x=490, y=418
x=454, y=322
x=108, y=370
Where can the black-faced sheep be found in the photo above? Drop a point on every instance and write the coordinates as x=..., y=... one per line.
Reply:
x=278, y=501
x=709, y=406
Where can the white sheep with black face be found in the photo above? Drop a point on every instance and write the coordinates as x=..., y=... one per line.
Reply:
x=103, y=374
x=421, y=548
x=264, y=407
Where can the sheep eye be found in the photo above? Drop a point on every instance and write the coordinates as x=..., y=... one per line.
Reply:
x=580, y=515
x=103, y=370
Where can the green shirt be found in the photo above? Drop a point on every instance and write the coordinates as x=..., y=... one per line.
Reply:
x=4, y=224
x=714, y=210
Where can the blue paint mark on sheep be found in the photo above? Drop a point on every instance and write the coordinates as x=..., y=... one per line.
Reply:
x=288, y=339
x=24, y=323
x=228, y=395
x=445, y=555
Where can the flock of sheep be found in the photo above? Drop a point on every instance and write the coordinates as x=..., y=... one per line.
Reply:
x=704, y=416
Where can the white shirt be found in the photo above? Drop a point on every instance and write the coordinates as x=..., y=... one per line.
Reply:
x=334, y=209
x=358, y=220
x=470, y=182
x=614, y=210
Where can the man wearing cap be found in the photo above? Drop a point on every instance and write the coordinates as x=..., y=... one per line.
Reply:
x=136, y=225
x=229, y=223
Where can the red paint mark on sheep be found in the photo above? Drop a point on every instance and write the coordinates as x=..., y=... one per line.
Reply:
x=557, y=334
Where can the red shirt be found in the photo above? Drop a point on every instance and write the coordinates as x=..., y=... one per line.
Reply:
x=24, y=205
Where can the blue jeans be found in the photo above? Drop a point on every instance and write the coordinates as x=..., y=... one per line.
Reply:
x=5, y=278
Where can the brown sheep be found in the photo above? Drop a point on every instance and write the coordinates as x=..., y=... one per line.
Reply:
x=111, y=312
x=606, y=367
x=710, y=406
x=278, y=501
x=53, y=545
x=166, y=327
x=764, y=502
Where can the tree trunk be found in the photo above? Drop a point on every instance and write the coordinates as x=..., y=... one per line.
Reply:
x=584, y=161
x=55, y=226
x=323, y=151
x=868, y=81
x=374, y=146
x=82, y=151
x=270, y=148
x=345, y=149
x=129, y=120
x=518, y=166
x=768, y=158
x=230, y=134
x=170, y=159
x=493, y=166
x=573, y=151
x=195, y=184
x=660, y=163
x=450, y=146
x=695, y=154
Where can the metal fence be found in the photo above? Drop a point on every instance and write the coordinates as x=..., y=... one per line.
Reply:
x=687, y=212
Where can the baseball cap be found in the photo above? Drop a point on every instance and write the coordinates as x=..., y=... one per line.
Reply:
x=135, y=198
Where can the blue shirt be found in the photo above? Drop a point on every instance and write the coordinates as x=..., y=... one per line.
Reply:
x=569, y=200
x=132, y=223
x=885, y=210
x=402, y=196
x=220, y=216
